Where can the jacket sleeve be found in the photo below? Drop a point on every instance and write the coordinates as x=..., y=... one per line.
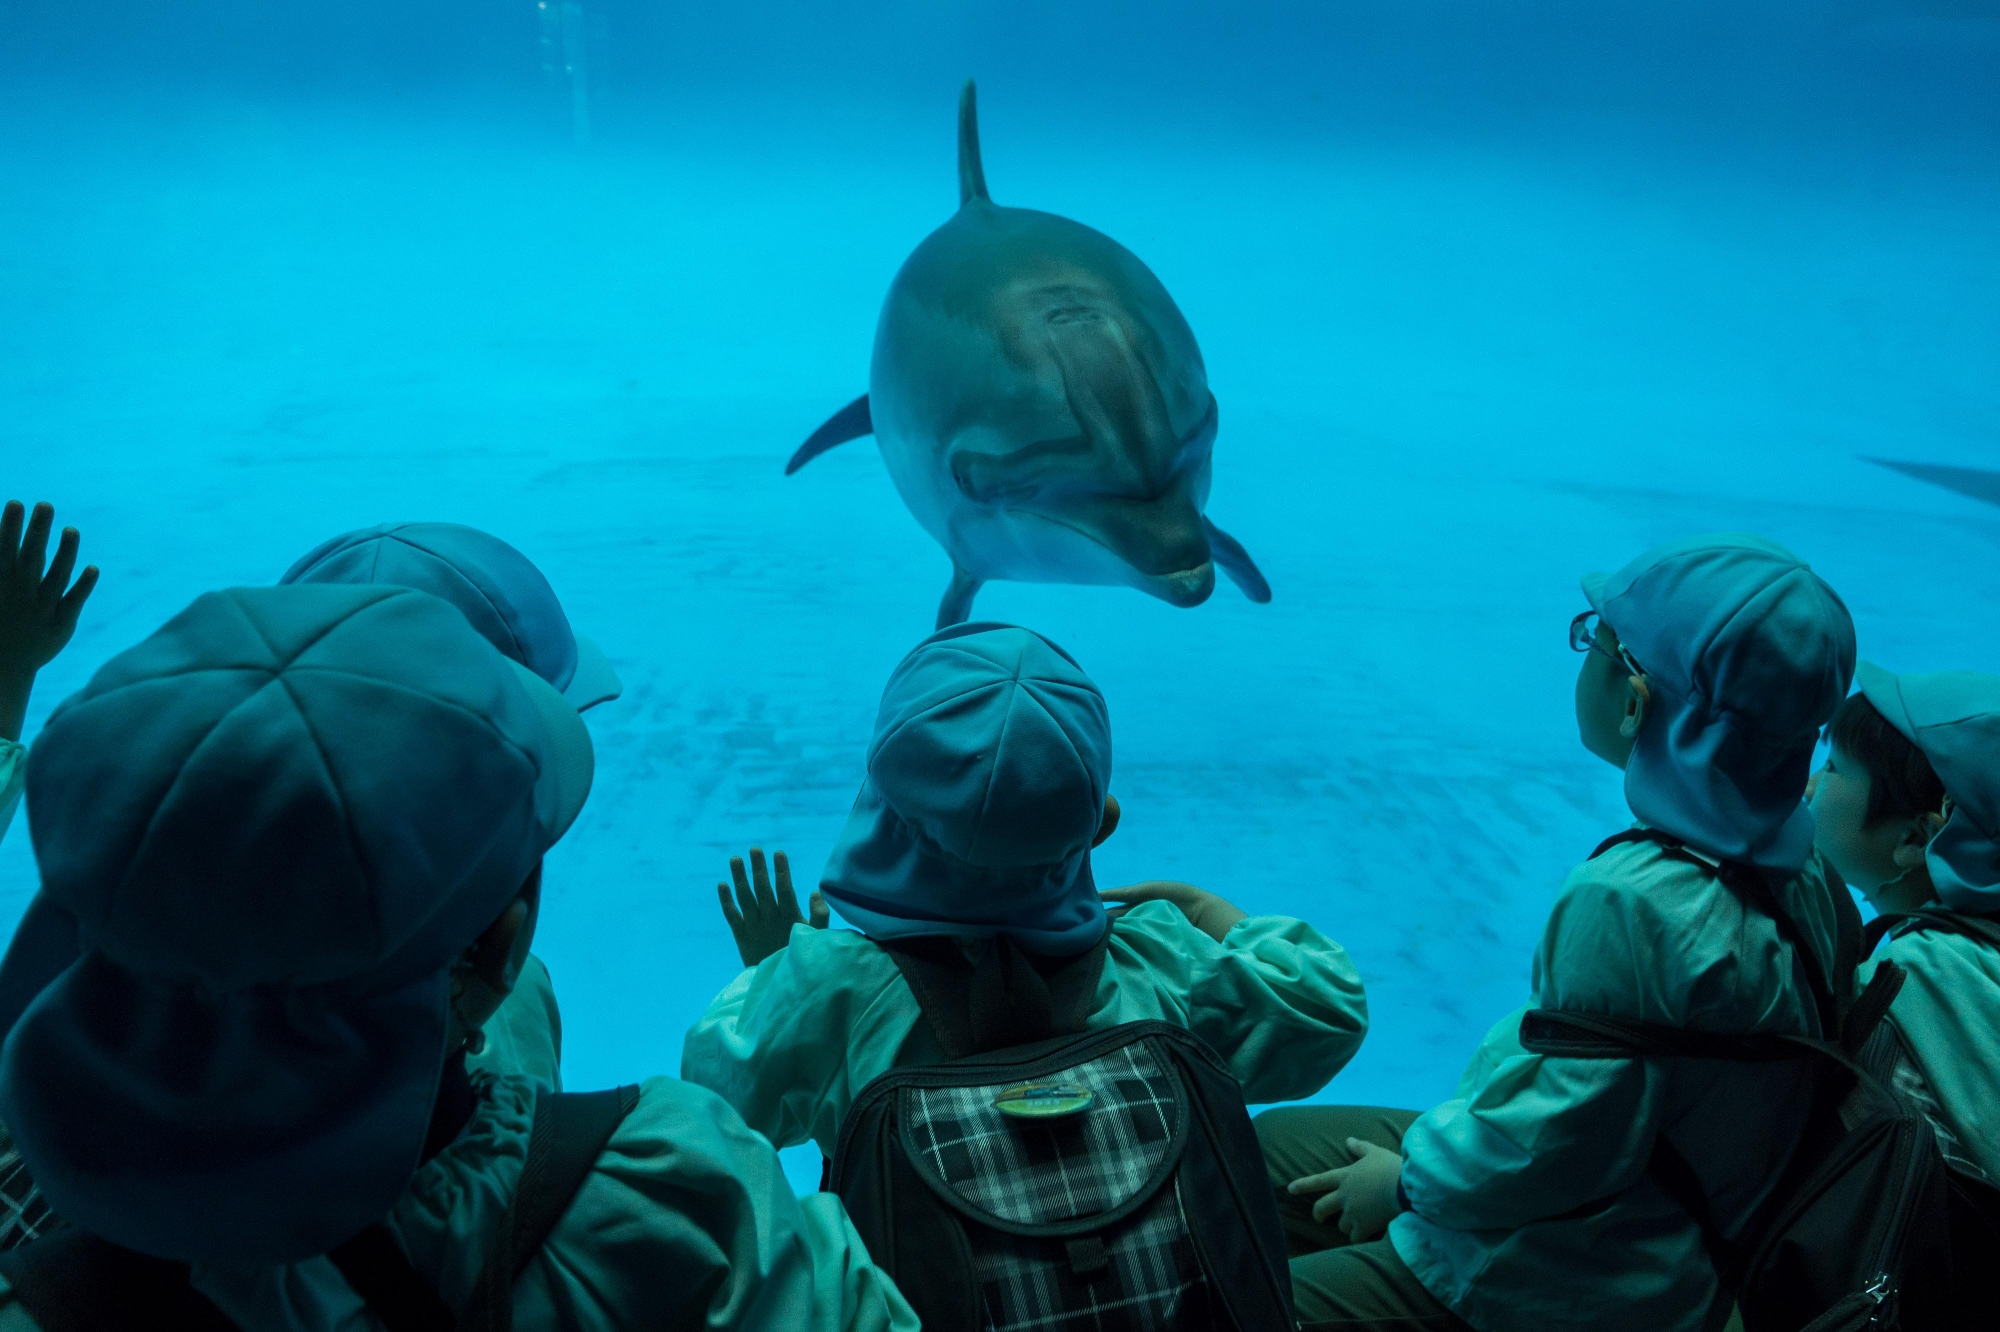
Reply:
x=791, y=1041
x=1531, y=1137
x=1279, y=1001
x=688, y=1221
x=525, y=1034
x=13, y=776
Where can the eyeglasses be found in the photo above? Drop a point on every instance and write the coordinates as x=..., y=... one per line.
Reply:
x=1583, y=638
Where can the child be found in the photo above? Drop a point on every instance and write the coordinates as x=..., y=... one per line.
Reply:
x=498, y=589
x=1908, y=812
x=1525, y=1204
x=986, y=789
x=38, y=613
x=508, y=601
x=505, y=597
x=300, y=833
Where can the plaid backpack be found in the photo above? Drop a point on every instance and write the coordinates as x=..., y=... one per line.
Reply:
x=1857, y=1232
x=1108, y=1180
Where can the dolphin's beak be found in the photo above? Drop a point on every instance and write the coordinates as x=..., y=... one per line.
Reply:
x=1186, y=587
x=1143, y=535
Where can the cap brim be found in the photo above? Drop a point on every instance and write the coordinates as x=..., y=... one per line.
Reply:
x=594, y=681
x=1884, y=691
x=565, y=783
x=1593, y=590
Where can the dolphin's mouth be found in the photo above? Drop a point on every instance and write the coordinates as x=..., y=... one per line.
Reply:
x=1184, y=587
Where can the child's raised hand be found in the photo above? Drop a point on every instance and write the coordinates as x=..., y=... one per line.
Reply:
x=38, y=608
x=1204, y=910
x=1362, y=1194
x=761, y=916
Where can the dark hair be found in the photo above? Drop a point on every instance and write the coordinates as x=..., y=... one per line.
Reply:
x=1901, y=782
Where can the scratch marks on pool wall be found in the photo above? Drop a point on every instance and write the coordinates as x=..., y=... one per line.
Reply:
x=1042, y=408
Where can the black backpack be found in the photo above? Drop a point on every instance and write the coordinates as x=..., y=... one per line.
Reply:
x=1103, y=1180
x=69, y=1280
x=1974, y=1201
x=1856, y=1234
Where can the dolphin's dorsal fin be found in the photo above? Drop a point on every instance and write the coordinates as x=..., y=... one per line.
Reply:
x=971, y=175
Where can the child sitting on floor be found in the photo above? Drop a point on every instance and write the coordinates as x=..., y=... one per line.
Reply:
x=299, y=833
x=506, y=598
x=1525, y=1203
x=986, y=788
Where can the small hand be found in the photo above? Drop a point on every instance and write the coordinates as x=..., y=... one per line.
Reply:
x=1204, y=910
x=38, y=610
x=761, y=917
x=1362, y=1195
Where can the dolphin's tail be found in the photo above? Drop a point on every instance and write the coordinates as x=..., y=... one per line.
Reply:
x=971, y=175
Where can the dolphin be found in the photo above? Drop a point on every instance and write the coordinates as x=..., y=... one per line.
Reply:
x=1042, y=407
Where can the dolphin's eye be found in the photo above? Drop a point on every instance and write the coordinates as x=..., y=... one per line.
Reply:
x=1199, y=442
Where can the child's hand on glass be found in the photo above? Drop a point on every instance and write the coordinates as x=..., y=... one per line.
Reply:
x=1204, y=910
x=1362, y=1194
x=38, y=608
x=761, y=916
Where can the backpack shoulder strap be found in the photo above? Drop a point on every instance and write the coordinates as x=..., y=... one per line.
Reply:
x=1631, y=835
x=1752, y=886
x=940, y=978
x=1984, y=929
x=1567, y=1035
x=72, y=1281
x=1008, y=997
x=570, y=1132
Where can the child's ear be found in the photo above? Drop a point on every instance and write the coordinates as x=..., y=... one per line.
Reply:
x=1110, y=825
x=1635, y=707
x=1909, y=853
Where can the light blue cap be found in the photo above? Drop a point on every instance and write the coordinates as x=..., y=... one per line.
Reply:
x=264, y=833
x=1747, y=653
x=1954, y=718
x=497, y=588
x=986, y=784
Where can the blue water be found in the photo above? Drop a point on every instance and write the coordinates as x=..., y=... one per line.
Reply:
x=1490, y=295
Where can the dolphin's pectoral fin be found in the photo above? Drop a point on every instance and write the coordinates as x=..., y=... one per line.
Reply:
x=956, y=607
x=1236, y=562
x=850, y=422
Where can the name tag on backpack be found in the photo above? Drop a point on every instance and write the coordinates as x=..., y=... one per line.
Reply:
x=1043, y=1100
